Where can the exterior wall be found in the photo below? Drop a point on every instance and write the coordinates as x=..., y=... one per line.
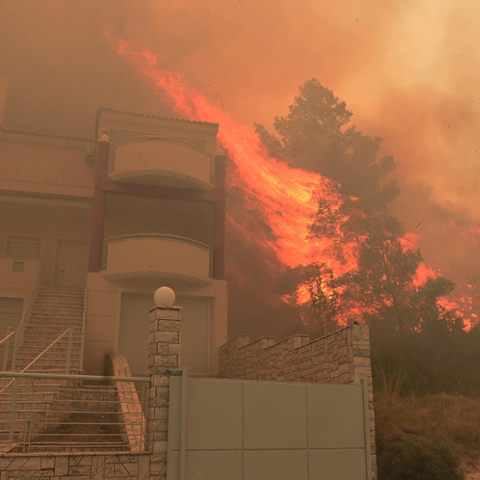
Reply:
x=119, y=126
x=49, y=222
x=103, y=316
x=33, y=163
x=144, y=255
x=81, y=466
x=163, y=162
x=17, y=283
x=340, y=357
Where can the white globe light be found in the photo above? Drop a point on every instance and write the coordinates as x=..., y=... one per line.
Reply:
x=164, y=297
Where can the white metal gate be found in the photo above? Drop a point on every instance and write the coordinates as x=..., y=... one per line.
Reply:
x=223, y=429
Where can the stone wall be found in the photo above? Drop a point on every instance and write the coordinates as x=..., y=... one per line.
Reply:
x=339, y=357
x=129, y=403
x=81, y=466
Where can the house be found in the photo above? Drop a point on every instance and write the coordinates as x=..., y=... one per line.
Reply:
x=116, y=219
x=89, y=230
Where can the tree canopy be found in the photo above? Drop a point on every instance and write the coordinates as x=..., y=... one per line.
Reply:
x=316, y=135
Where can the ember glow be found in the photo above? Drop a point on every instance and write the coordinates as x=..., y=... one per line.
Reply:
x=286, y=198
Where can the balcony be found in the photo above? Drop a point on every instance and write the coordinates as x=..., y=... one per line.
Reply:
x=143, y=257
x=162, y=161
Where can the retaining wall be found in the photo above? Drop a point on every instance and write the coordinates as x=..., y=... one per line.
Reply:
x=82, y=466
x=339, y=357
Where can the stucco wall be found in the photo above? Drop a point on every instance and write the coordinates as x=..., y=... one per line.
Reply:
x=49, y=222
x=103, y=316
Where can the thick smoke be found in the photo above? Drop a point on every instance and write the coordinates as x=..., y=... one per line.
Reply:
x=409, y=71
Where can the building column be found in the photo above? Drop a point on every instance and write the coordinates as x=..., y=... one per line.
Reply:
x=219, y=220
x=163, y=356
x=98, y=205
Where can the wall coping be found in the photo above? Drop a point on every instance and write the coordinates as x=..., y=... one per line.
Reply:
x=284, y=340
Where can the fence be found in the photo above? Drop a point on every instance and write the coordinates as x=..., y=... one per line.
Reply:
x=56, y=413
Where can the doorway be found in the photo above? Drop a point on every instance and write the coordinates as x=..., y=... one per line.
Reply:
x=71, y=263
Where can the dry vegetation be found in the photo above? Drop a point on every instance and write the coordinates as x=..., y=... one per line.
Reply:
x=451, y=419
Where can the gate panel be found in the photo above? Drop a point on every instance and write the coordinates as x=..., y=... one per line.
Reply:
x=340, y=464
x=257, y=430
x=274, y=415
x=335, y=416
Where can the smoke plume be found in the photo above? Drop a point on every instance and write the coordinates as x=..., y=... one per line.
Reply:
x=409, y=71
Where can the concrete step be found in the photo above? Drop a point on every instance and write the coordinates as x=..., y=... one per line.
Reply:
x=51, y=290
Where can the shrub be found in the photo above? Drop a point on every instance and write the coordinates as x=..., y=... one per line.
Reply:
x=414, y=458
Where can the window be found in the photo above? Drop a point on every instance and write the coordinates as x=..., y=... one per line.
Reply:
x=24, y=247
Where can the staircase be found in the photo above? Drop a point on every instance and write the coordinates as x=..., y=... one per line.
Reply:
x=82, y=418
x=53, y=414
x=55, y=309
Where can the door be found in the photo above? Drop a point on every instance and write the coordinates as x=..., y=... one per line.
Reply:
x=133, y=335
x=71, y=263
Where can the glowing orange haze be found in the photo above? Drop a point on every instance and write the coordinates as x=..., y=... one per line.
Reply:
x=286, y=197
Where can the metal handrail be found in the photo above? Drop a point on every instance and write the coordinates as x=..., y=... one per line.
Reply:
x=38, y=421
x=64, y=376
x=25, y=315
x=68, y=330
x=6, y=349
x=84, y=324
x=7, y=336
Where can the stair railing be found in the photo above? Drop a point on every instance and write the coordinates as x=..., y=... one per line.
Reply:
x=27, y=311
x=6, y=348
x=40, y=355
x=84, y=324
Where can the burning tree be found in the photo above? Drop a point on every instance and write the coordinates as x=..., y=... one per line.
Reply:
x=384, y=283
x=316, y=192
x=315, y=136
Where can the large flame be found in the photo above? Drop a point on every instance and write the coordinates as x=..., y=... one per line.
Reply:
x=287, y=198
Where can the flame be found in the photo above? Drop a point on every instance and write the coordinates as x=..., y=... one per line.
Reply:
x=286, y=198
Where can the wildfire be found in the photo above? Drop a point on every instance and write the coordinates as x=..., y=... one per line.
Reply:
x=286, y=198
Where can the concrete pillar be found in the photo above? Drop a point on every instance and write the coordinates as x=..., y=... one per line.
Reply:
x=98, y=205
x=163, y=356
x=219, y=220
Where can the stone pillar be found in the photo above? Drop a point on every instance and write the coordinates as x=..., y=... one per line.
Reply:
x=362, y=367
x=163, y=356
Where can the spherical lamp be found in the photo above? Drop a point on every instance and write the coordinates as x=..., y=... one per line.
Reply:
x=164, y=297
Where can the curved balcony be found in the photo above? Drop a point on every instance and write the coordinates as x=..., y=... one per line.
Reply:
x=162, y=161
x=157, y=256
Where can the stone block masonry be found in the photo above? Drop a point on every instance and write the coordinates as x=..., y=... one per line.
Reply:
x=339, y=357
x=81, y=466
x=163, y=356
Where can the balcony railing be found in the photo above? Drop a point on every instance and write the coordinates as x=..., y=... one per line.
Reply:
x=162, y=161
x=145, y=256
